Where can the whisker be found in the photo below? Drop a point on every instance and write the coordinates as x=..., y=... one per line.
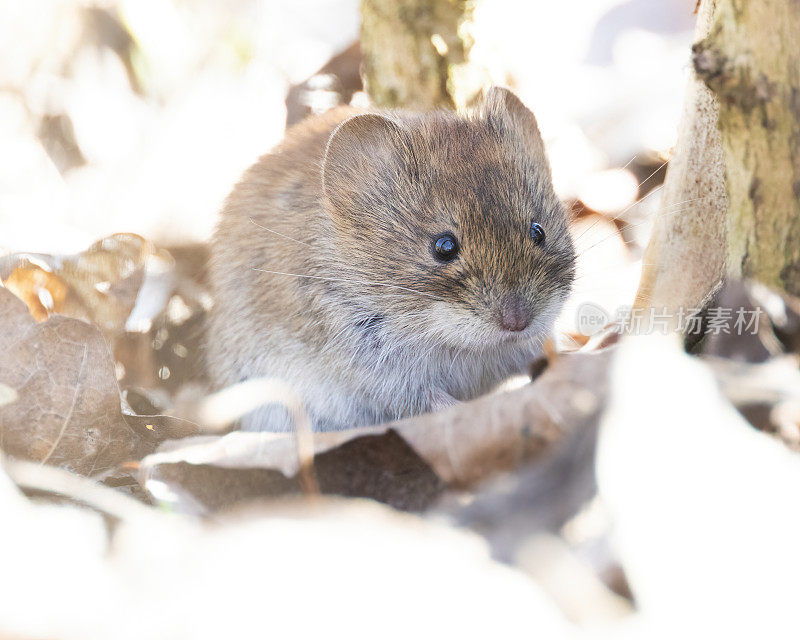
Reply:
x=639, y=186
x=621, y=213
x=631, y=225
x=660, y=167
x=630, y=265
x=261, y=226
x=628, y=163
x=663, y=212
x=379, y=284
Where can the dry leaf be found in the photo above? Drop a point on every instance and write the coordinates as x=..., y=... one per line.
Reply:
x=150, y=309
x=42, y=291
x=67, y=411
x=99, y=285
x=467, y=443
x=462, y=446
x=378, y=466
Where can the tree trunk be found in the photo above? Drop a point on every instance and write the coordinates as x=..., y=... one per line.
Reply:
x=415, y=51
x=751, y=60
x=685, y=259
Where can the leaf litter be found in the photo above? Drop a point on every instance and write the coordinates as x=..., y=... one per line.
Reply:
x=118, y=393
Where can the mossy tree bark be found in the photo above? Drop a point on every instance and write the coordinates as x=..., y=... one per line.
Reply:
x=414, y=51
x=751, y=60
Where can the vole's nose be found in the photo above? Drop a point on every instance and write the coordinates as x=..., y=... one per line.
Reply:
x=513, y=314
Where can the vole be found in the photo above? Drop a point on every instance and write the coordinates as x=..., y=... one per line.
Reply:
x=389, y=263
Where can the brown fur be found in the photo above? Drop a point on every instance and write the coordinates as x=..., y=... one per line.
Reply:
x=371, y=326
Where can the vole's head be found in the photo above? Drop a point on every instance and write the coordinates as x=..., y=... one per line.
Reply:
x=449, y=226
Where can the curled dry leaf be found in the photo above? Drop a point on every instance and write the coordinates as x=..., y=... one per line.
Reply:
x=67, y=410
x=457, y=447
x=43, y=291
x=467, y=443
x=99, y=285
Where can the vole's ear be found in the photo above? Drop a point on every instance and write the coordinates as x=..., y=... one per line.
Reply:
x=365, y=157
x=507, y=115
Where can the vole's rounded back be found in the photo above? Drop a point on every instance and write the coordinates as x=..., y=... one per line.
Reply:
x=386, y=264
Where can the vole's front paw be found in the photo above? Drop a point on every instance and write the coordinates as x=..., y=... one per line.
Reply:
x=440, y=399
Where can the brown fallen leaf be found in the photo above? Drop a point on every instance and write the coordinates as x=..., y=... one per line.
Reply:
x=462, y=446
x=378, y=466
x=149, y=307
x=467, y=443
x=67, y=408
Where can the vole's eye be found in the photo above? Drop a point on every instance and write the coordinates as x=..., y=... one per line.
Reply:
x=445, y=247
x=537, y=233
